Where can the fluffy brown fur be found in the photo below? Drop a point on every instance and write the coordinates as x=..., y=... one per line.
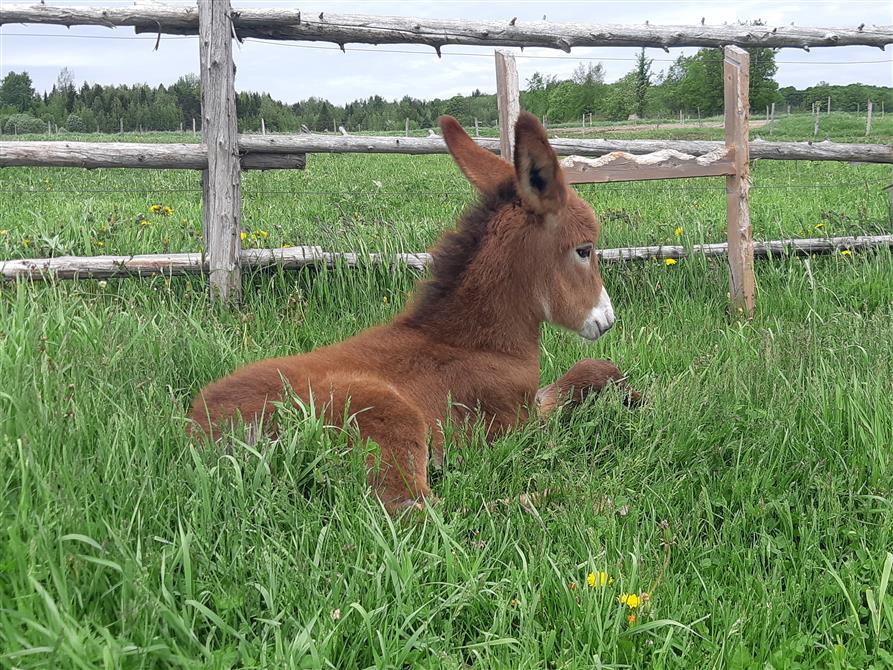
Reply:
x=469, y=340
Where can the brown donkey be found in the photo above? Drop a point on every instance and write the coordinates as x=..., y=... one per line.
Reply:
x=468, y=343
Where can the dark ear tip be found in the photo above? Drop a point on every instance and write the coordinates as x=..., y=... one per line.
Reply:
x=447, y=121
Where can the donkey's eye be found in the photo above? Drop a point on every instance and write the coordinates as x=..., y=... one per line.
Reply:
x=584, y=252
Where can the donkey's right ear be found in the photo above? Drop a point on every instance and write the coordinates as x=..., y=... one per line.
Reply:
x=485, y=170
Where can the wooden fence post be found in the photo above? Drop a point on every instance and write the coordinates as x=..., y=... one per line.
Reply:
x=221, y=182
x=868, y=119
x=507, y=102
x=736, y=76
x=816, y=108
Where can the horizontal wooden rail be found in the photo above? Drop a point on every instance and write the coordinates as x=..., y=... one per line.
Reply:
x=665, y=164
x=287, y=151
x=133, y=155
x=290, y=258
x=291, y=24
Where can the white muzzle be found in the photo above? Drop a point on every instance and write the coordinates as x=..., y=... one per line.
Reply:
x=600, y=319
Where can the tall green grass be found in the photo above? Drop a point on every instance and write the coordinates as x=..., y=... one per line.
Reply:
x=750, y=496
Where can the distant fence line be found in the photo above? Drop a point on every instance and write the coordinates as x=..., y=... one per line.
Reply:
x=224, y=153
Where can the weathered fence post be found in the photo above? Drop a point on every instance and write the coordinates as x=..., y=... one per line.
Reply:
x=221, y=182
x=868, y=119
x=829, y=104
x=477, y=129
x=507, y=102
x=407, y=127
x=263, y=126
x=736, y=76
x=816, y=108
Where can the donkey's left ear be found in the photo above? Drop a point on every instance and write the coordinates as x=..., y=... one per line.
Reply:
x=541, y=182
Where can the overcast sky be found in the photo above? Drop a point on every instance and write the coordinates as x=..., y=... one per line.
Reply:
x=292, y=71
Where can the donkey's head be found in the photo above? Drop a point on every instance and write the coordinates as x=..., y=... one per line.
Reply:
x=540, y=229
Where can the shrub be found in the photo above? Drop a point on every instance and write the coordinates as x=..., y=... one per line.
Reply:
x=23, y=123
x=76, y=124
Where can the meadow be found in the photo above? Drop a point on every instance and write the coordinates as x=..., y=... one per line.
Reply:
x=742, y=517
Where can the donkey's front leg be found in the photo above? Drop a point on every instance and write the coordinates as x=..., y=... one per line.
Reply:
x=585, y=378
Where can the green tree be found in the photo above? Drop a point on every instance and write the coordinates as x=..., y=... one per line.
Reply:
x=620, y=101
x=697, y=81
x=641, y=83
x=75, y=124
x=564, y=102
x=763, y=87
x=17, y=92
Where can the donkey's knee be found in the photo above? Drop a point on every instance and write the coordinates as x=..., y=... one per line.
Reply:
x=398, y=467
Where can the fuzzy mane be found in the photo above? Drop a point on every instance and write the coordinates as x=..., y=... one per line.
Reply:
x=455, y=252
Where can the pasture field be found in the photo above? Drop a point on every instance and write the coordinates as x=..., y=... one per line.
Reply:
x=750, y=497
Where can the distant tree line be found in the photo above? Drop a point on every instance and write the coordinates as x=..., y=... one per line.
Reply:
x=692, y=84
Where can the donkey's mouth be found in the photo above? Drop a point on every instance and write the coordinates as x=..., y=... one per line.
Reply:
x=600, y=320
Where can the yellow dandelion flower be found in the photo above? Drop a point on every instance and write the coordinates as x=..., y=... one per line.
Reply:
x=678, y=231
x=670, y=261
x=384, y=300
x=631, y=600
x=846, y=252
x=599, y=578
x=4, y=231
x=100, y=243
x=243, y=235
x=154, y=209
x=263, y=234
x=167, y=211
x=26, y=241
x=145, y=222
x=819, y=226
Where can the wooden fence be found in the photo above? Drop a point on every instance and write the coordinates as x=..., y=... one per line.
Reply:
x=224, y=153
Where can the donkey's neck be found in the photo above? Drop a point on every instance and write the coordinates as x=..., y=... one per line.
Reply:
x=482, y=316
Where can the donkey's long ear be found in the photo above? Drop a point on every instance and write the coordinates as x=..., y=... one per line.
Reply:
x=541, y=182
x=485, y=170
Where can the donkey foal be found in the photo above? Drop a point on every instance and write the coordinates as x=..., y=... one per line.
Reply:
x=525, y=254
